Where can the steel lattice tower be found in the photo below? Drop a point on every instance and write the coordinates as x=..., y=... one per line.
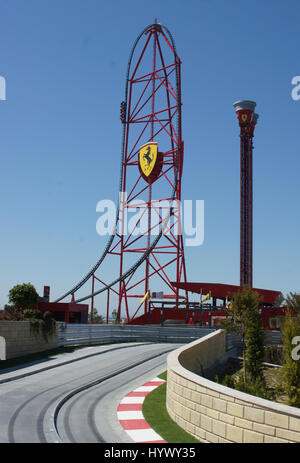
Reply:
x=152, y=116
x=247, y=121
x=145, y=246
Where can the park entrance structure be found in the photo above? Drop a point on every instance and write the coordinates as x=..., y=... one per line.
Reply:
x=146, y=247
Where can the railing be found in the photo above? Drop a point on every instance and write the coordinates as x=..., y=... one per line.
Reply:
x=273, y=337
x=71, y=334
x=76, y=334
x=270, y=338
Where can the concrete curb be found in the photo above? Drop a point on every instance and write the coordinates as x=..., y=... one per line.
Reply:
x=131, y=417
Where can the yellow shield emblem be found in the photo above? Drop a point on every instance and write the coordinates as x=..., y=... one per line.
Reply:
x=148, y=158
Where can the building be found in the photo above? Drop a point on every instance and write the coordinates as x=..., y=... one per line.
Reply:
x=68, y=312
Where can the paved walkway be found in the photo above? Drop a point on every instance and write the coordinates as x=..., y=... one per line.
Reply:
x=131, y=417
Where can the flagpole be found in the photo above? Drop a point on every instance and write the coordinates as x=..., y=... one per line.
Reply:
x=201, y=307
x=148, y=303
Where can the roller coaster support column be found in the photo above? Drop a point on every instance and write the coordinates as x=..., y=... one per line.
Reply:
x=253, y=124
x=92, y=299
x=247, y=120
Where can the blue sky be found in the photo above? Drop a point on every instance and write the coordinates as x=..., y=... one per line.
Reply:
x=64, y=63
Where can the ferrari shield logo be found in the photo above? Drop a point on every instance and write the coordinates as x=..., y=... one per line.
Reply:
x=149, y=161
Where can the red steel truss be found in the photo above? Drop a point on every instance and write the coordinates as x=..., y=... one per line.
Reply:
x=153, y=114
x=145, y=250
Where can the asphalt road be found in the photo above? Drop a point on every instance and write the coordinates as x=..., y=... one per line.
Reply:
x=74, y=397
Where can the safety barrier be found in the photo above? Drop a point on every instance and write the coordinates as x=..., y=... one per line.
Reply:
x=78, y=334
x=271, y=338
x=14, y=341
x=92, y=333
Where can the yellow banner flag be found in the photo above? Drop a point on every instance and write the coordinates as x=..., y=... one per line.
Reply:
x=206, y=298
x=145, y=297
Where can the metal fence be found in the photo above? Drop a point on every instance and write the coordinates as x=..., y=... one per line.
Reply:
x=273, y=337
x=270, y=338
x=78, y=334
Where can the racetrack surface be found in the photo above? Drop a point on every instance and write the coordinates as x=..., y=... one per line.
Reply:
x=75, y=396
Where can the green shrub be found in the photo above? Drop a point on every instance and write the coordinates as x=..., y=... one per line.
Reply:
x=12, y=314
x=254, y=347
x=291, y=367
x=229, y=381
x=40, y=323
x=31, y=313
x=49, y=325
x=256, y=388
x=244, y=318
x=273, y=354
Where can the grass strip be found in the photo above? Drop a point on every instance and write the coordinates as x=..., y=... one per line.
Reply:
x=156, y=415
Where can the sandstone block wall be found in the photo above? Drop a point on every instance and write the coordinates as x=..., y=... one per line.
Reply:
x=18, y=339
x=215, y=413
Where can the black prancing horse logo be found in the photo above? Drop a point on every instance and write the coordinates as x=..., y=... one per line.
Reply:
x=147, y=155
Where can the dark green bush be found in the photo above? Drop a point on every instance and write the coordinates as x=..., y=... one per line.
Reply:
x=11, y=314
x=291, y=368
x=40, y=322
x=31, y=314
x=256, y=388
x=229, y=381
x=49, y=325
x=273, y=354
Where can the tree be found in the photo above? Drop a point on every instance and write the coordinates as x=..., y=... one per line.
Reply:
x=291, y=367
x=9, y=308
x=293, y=303
x=23, y=296
x=244, y=319
x=97, y=318
x=115, y=317
x=254, y=346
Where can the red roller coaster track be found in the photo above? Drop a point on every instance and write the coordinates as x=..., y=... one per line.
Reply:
x=150, y=252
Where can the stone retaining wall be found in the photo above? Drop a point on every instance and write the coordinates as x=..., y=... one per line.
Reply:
x=18, y=339
x=215, y=413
